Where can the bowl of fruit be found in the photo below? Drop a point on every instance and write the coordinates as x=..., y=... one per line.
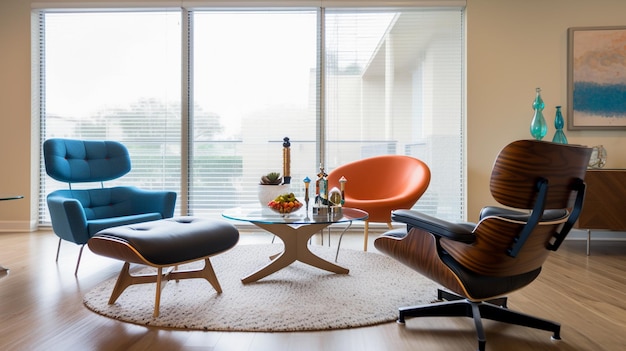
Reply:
x=285, y=203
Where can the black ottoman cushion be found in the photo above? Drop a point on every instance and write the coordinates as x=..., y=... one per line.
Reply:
x=172, y=241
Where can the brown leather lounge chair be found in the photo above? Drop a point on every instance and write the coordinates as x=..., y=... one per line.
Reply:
x=541, y=183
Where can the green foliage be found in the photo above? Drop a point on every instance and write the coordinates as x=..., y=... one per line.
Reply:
x=272, y=178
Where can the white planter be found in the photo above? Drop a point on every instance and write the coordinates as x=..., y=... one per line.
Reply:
x=268, y=193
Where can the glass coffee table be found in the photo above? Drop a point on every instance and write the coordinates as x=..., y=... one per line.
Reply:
x=294, y=229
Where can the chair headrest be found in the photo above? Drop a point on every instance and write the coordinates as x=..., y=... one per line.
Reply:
x=523, y=163
x=80, y=161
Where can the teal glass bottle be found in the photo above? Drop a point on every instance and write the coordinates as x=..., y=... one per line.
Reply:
x=538, y=126
x=559, y=136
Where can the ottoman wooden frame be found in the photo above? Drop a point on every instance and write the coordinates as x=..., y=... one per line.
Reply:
x=186, y=239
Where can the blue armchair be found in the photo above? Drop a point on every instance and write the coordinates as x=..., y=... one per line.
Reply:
x=78, y=214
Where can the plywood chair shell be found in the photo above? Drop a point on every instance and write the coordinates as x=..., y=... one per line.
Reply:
x=519, y=165
x=488, y=254
x=418, y=250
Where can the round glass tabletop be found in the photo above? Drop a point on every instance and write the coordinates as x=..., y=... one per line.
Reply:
x=258, y=214
x=10, y=197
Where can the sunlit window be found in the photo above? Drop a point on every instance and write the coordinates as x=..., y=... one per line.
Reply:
x=115, y=75
x=368, y=82
x=254, y=83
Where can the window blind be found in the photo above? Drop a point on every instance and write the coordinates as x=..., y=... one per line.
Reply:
x=115, y=75
x=252, y=87
x=341, y=82
x=393, y=85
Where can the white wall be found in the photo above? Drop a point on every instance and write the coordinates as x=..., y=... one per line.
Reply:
x=513, y=47
x=15, y=116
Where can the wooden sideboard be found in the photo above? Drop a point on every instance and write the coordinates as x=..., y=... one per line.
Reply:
x=605, y=202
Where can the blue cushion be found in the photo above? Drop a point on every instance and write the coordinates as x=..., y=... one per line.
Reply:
x=75, y=161
x=78, y=214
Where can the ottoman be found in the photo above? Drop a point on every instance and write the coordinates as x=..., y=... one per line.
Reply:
x=165, y=243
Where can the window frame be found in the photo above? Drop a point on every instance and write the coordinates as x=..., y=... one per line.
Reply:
x=187, y=81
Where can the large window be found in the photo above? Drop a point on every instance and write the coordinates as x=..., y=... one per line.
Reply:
x=393, y=85
x=255, y=72
x=114, y=75
x=206, y=116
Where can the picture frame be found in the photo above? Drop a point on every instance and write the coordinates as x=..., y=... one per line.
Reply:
x=596, y=78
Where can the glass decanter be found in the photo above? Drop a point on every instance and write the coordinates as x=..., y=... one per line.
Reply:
x=538, y=126
x=559, y=136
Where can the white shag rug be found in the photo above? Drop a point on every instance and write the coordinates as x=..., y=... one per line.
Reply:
x=296, y=298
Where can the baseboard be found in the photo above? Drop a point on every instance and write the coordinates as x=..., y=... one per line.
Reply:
x=18, y=226
x=596, y=235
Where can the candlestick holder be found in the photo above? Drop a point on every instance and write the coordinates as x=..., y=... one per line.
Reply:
x=286, y=161
x=307, y=182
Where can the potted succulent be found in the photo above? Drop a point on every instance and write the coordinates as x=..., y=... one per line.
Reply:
x=270, y=186
x=272, y=178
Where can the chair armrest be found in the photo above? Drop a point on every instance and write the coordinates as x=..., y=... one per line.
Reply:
x=462, y=232
x=548, y=215
x=146, y=201
x=68, y=218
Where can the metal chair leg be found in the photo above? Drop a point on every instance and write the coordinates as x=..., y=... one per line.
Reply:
x=340, y=237
x=588, y=241
x=328, y=235
x=58, y=250
x=365, y=235
x=80, y=254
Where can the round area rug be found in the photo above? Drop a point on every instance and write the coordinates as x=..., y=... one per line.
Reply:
x=296, y=298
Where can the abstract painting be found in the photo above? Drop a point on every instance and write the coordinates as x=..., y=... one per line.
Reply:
x=596, y=78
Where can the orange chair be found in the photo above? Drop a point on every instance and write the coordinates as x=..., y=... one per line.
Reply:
x=381, y=184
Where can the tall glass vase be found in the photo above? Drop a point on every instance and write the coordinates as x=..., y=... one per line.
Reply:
x=538, y=126
x=559, y=136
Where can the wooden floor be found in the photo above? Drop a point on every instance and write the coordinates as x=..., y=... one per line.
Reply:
x=41, y=308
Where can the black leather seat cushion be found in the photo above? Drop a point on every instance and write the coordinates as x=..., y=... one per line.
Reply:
x=175, y=240
x=485, y=287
